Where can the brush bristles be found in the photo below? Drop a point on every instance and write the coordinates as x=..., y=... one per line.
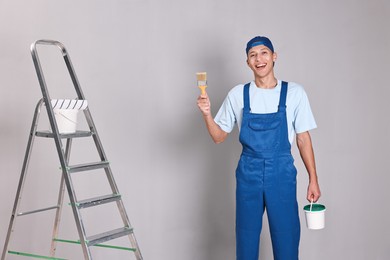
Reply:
x=201, y=76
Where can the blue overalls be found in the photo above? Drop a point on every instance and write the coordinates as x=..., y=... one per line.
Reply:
x=266, y=179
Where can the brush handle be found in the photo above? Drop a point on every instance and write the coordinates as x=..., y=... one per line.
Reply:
x=203, y=89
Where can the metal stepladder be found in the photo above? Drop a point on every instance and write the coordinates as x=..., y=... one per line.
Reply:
x=66, y=181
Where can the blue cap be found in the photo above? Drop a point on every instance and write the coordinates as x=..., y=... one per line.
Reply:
x=259, y=40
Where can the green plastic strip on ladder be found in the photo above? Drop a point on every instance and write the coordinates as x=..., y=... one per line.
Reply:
x=35, y=256
x=98, y=245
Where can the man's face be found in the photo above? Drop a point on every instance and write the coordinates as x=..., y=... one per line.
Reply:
x=261, y=60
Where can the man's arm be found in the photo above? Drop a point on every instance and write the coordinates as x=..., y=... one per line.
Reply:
x=215, y=131
x=306, y=151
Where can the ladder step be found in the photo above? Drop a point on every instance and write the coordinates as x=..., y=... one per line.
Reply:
x=98, y=201
x=49, y=134
x=109, y=235
x=88, y=166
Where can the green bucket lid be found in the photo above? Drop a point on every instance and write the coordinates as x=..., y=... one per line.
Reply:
x=316, y=207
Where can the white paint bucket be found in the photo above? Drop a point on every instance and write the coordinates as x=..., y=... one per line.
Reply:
x=66, y=120
x=315, y=216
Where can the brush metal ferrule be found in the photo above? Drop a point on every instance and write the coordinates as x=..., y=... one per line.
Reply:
x=202, y=82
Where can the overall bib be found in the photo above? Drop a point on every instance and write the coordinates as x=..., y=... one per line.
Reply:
x=266, y=179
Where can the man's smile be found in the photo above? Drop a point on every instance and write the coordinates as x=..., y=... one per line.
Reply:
x=258, y=66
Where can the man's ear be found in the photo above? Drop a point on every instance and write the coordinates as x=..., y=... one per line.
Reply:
x=274, y=56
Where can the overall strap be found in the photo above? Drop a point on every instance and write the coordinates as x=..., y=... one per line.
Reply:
x=283, y=96
x=247, y=106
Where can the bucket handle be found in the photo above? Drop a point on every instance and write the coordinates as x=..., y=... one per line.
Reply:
x=311, y=205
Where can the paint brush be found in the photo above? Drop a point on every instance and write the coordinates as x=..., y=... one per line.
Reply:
x=202, y=81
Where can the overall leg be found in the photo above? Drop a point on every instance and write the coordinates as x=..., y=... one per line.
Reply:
x=282, y=210
x=249, y=207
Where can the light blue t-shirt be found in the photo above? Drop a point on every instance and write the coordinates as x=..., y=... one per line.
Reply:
x=299, y=115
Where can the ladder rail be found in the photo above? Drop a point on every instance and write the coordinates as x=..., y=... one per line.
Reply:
x=80, y=95
x=99, y=147
x=113, y=185
x=60, y=202
x=57, y=139
x=23, y=175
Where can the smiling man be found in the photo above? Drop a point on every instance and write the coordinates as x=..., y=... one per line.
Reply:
x=269, y=114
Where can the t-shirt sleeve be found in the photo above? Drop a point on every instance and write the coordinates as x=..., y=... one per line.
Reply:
x=304, y=119
x=225, y=117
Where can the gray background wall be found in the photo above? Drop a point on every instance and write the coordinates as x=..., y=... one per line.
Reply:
x=136, y=61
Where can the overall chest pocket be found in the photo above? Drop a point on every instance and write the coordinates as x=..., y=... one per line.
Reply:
x=264, y=133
